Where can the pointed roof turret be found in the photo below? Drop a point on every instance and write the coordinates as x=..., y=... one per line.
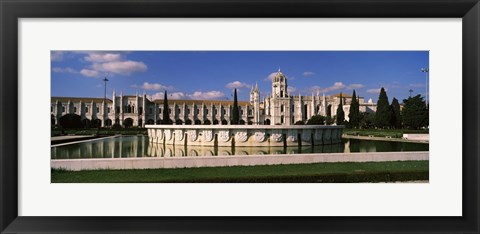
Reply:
x=256, y=87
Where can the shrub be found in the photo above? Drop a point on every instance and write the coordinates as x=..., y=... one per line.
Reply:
x=116, y=126
x=316, y=120
x=71, y=121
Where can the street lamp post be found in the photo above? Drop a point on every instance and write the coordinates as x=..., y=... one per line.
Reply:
x=105, y=95
x=425, y=70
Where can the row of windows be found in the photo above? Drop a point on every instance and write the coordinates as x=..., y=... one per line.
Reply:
x=131, y=109
x=179, y=111
x=75, y=109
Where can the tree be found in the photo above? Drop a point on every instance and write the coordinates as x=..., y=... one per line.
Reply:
x=340, y=112
x=382, y=115
x=415, y=113
x=71, y=121
x=316, y=120
x=329, y=119
x=166, y=113
x=367, y=120
x=354, y=115
x=236, y=112
x=395, y=115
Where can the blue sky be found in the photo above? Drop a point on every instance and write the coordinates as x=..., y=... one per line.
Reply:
x=214, y=74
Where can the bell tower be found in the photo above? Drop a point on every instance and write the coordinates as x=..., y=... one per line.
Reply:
x=279, y=85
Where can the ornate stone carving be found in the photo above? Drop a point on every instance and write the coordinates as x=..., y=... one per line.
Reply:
x=159, y=134
x=207, y=135
x=192, y=135
x=168, y=134
x=179, y=135
x=259, y=136
x=292, y=135
x=241, y=136
x=277, y=136
x=223, y=135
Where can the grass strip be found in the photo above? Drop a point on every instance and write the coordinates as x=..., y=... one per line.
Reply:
x=293, y=173
x=394, y=133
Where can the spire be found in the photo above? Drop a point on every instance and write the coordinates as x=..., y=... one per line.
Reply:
x=279, y=69
x=256, y=87
x=251, y=91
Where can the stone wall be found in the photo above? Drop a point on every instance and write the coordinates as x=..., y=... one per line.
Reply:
x=244, y=135
x=225, y=161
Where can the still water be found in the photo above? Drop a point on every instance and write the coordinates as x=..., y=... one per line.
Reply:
x=138, y=146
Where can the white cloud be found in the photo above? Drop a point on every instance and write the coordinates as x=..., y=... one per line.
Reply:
x=120, y=67
x=308, y=73
x=154, y=86
x=271, y=76
x=315, y=89
x=114, y=63
x=56, y=56
x=64, y=70
x=210, y=95
x=173, y=96
x=177, y=95
x=375, y=91
x=291, y=89
x=89, y=73
x=102, y=57
x=238, y=85
x=334, y=87
x=355, y=86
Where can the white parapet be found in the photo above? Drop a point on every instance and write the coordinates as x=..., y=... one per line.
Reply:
x=416, y=137
x=244, y=135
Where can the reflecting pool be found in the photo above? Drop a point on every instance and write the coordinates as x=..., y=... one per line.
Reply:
x=138, y=146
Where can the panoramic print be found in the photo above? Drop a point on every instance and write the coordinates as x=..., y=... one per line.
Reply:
x=239, y=117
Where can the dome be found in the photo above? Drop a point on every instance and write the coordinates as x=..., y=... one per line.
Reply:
x=279, y=77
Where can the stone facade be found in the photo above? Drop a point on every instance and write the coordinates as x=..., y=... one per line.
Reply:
x=279, y=108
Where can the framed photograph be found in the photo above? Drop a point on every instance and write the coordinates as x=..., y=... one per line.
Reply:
x=270, y=116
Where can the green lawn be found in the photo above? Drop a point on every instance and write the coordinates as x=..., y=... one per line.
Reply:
x=293, y=173
x=394, y=133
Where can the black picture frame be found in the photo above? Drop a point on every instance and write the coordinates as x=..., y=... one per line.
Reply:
x=11, y=11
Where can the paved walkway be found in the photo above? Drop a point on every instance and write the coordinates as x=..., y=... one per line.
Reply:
x=64, y=139
x=61, y=138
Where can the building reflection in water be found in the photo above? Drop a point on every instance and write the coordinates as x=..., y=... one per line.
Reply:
x=138, y=146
